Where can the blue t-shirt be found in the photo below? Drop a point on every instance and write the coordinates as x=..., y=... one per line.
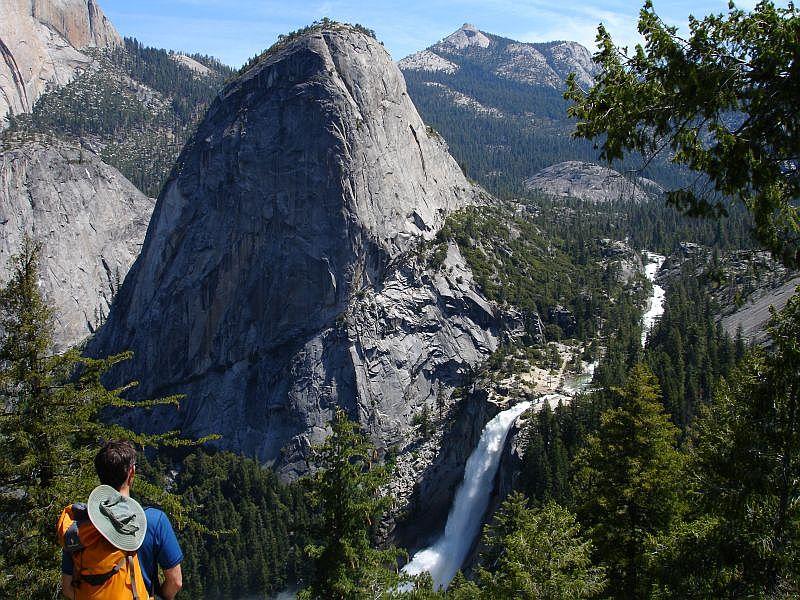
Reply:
x=160, y=548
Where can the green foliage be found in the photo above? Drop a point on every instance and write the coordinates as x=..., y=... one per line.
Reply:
x=649, y=225
x=423, y=421
x=137, y=109
x=514, y=262
x=537, y=554
x=629, y=482
x=187, y=92
x=261, y=527
x=552, y=438
x=688, y=349
x=50, y=426
x=721, y=101
x=746, y=466
x=346, y=491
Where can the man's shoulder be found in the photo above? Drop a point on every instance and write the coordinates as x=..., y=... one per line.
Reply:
x=153, y=512
x=160, y=538
x=156, y=518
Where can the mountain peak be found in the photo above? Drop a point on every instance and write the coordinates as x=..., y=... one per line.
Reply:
x=468, y=36
x=540, y=64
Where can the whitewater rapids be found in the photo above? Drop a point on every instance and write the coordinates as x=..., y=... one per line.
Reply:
x=656, y=305
x=444, y=558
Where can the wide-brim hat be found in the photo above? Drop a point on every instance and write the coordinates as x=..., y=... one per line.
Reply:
x=118, y=518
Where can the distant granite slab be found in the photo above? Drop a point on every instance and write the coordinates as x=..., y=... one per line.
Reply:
x=591, y=182
x=754, y=316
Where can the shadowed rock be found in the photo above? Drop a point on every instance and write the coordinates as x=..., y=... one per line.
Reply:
x=280, y=276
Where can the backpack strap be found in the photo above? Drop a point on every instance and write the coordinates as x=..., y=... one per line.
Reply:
x=98, y=580
x=129, y=558
x=72, y=542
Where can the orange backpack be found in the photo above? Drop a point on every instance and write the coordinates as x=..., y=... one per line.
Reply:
x=100, y=571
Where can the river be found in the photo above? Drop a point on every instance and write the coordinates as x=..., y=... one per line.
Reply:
x=444, y=558
x=655, y=307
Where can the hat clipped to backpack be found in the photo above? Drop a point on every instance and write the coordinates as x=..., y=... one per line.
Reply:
x=118, y=518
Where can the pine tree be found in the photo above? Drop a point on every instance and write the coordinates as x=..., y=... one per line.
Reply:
x=628, y=479
x=50, y=427
x=537, y=554
x=747, y=469
x=675, y=95
x=346, y=490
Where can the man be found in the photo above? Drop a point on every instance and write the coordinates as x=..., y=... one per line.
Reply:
x=115, y=464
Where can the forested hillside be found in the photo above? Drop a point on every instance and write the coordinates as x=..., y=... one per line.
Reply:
x=136, y=106
x=502, y=121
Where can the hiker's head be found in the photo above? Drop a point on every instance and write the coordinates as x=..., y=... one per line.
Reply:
x=116, y=463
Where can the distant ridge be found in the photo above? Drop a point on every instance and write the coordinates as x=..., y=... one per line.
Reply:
x=547, y=64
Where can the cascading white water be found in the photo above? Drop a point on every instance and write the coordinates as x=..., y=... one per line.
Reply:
x=574, y=384
x=656, y=306
x=444, y=558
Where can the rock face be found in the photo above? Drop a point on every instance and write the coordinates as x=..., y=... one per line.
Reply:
x=191, y=64
x=90, y=220
x=591, y=182
x=744, y=285
x=753, y=317
x=427, y=505
x=281, y=278
x=540, y=64
x=427, y=61
x=39, y=47
x=619, y=256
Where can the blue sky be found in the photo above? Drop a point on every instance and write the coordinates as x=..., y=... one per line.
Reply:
x=234, y=30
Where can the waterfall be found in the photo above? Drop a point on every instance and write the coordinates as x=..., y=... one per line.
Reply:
x=444, y=558
x=656, y=305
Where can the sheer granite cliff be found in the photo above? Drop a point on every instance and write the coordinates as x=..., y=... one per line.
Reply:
x=89, y=219
x=283, y=274
x=40, y=43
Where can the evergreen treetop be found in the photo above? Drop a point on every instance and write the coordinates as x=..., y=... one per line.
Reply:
x=51, y=409
x=347, y=492
x=721, y=100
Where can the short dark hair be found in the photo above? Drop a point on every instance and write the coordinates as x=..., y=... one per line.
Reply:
x=113, y=462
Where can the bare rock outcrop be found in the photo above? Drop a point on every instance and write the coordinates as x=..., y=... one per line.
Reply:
x=591, y=182
x=40, y=43
x=282, y=275
x=754, y=316
x=89, y=219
